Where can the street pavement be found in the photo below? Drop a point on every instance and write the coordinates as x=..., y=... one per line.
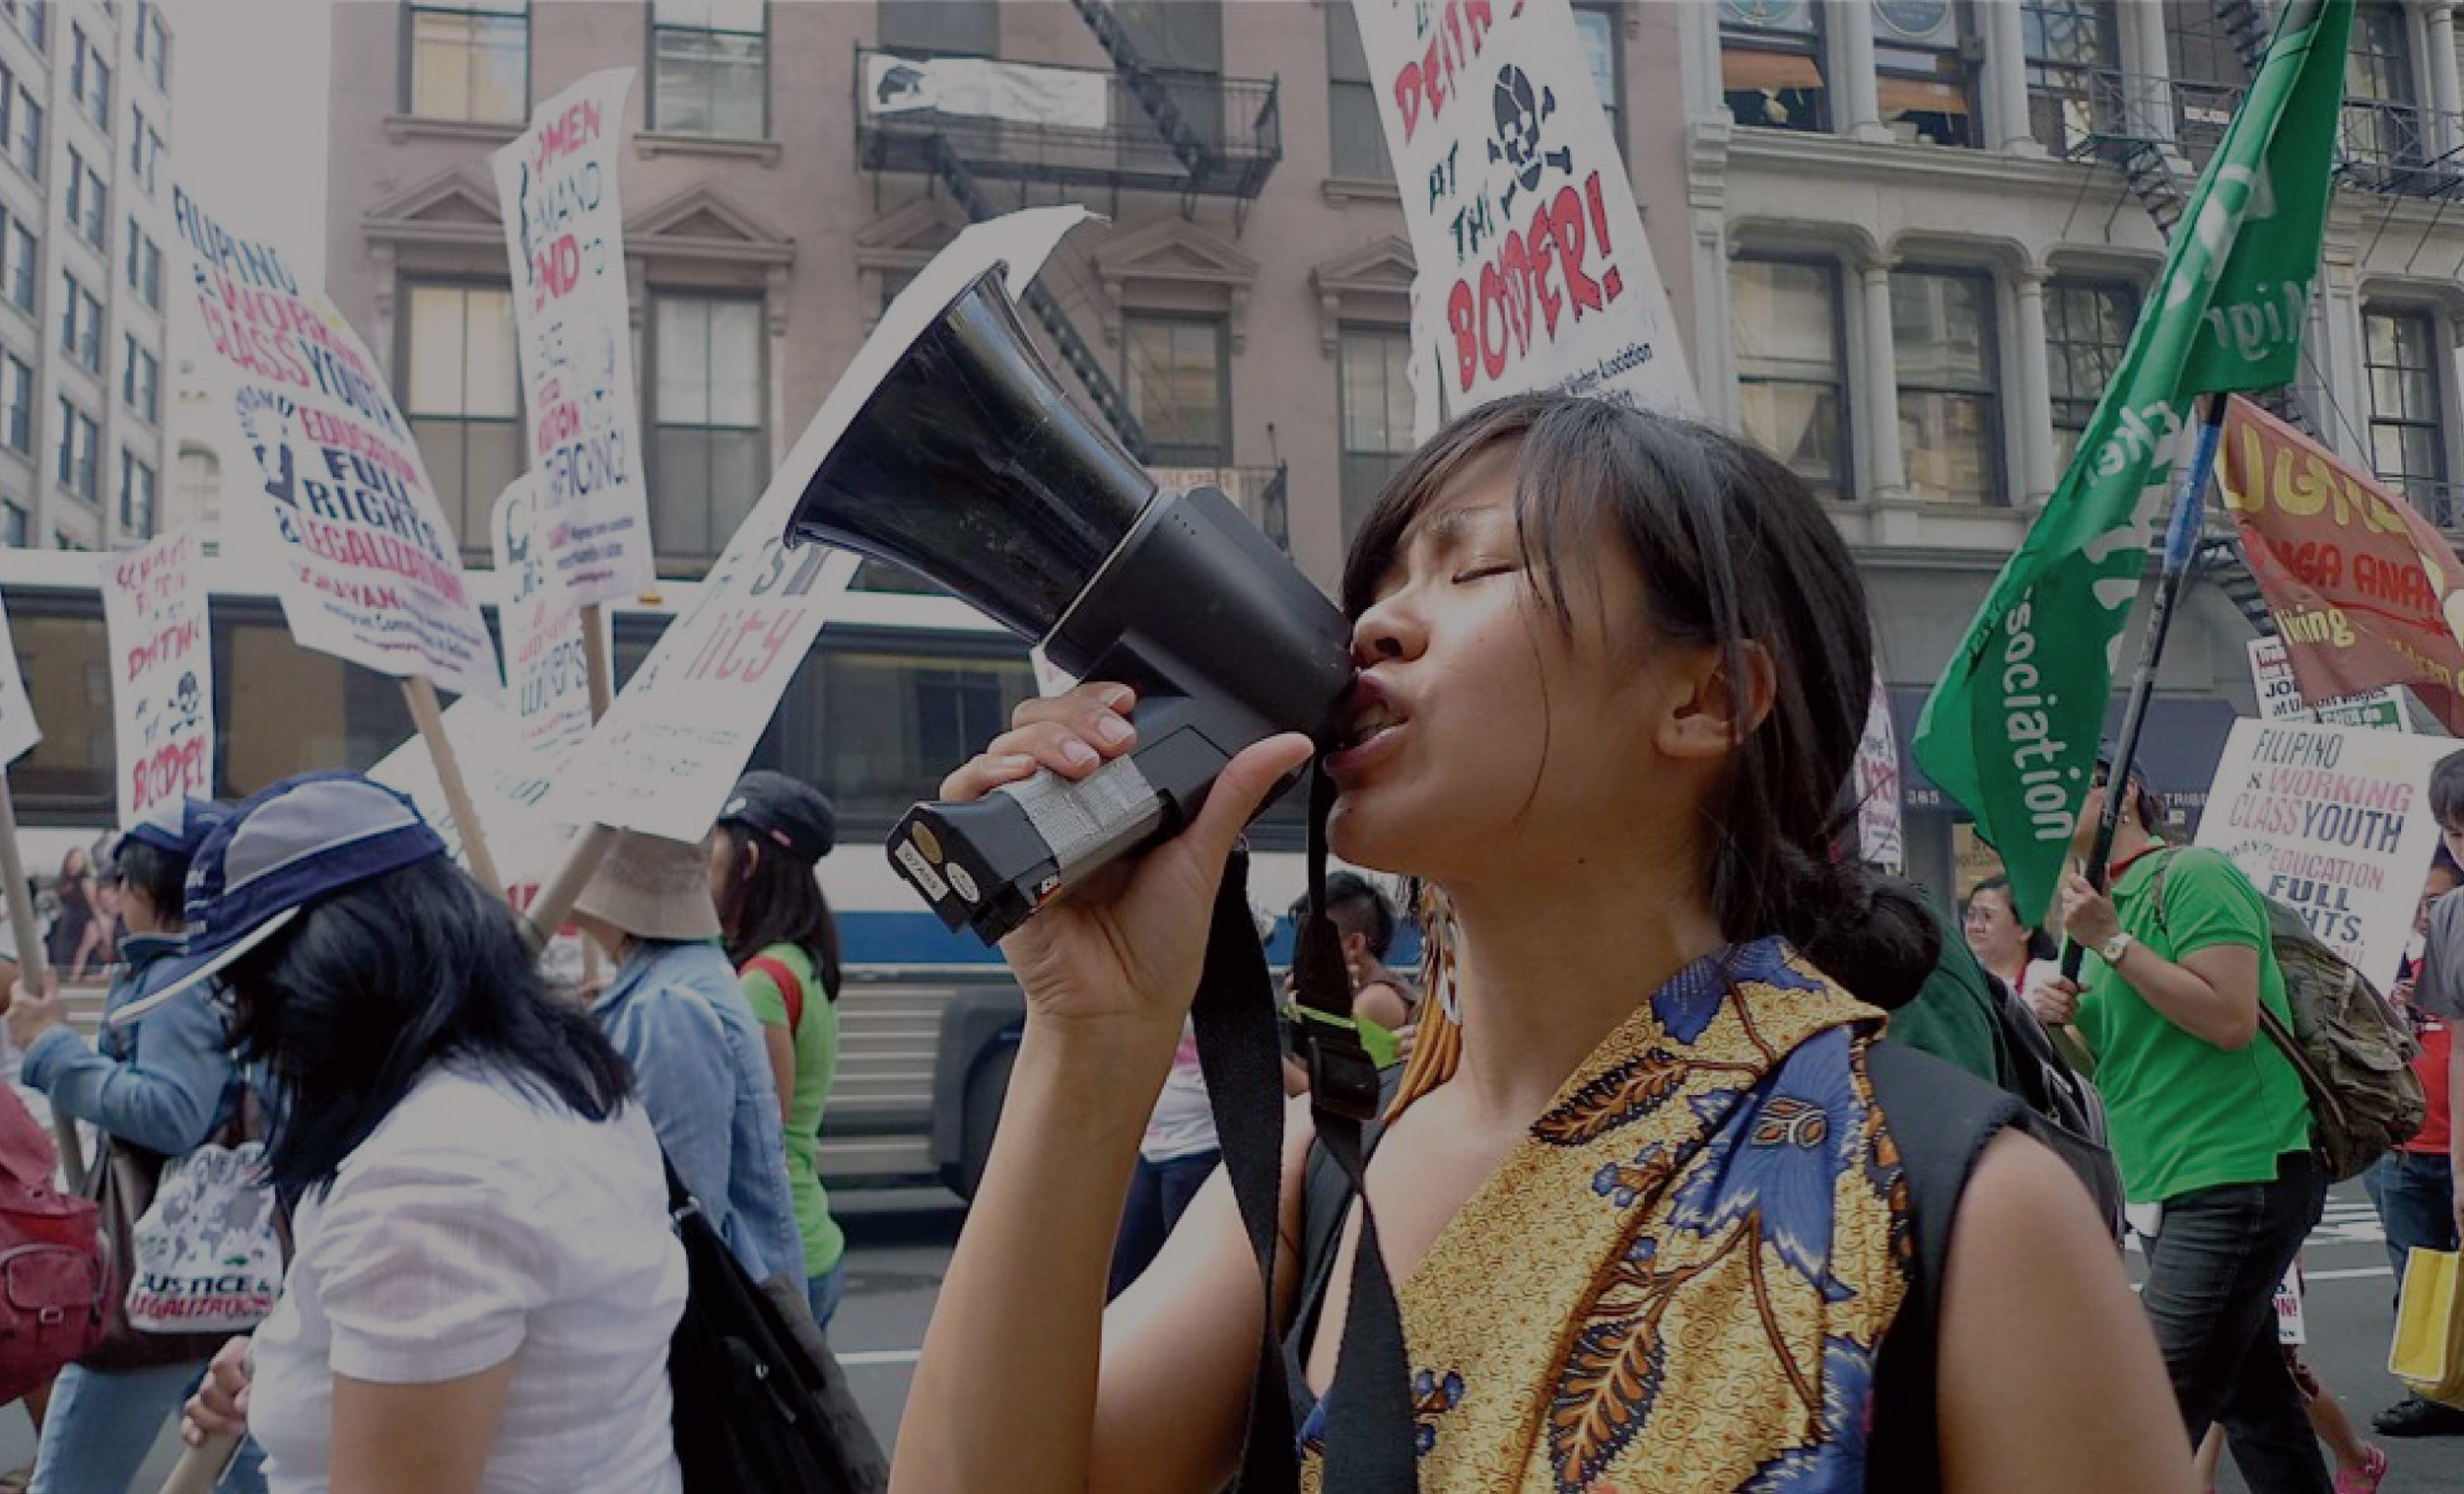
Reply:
x=899, y=1245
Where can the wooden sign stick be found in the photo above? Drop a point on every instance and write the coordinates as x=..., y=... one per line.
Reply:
x=422, y=694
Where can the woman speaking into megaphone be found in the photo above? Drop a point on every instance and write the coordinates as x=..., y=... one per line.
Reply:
x=1646, y=1222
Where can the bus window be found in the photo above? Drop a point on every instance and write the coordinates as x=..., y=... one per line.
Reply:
x=286, y=709
x=68, y=678
x=891, y=725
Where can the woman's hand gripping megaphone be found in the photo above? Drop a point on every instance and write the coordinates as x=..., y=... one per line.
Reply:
x=1120, y=951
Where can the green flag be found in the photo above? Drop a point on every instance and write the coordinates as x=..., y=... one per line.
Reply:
x=2012, y=729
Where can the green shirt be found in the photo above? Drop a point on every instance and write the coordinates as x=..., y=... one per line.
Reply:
x=1953, y=1016
x=2186, y=1114
x=816, y=1065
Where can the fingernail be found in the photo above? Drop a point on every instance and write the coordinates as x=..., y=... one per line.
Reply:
x=1114, y=730
x=1121, y=696
x=1078, y=754
x=1014, y=761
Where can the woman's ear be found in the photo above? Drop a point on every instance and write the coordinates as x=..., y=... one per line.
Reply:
x=1711, y=709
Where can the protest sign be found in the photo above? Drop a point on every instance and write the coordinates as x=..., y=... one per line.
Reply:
x=153, y=620
x=1533, y=272
x=17, y=732
x=18, y=736
x=367, y=566
x=2280, y=694
x=2334, y=822
x=1879, y=840
x=2365, y=590
x=547, y=677
x=564, y=232
x=666, y=753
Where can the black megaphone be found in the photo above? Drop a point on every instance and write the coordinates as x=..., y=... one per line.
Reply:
x=970, y=466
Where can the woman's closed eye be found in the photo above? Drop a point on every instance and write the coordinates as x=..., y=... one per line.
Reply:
x=1483, y=568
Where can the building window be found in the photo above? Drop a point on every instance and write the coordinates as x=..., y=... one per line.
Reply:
x=1925, y=81
x=137, y=495
x=1596, y=27
x=941, y=28
x=710, y=68
x=2381, y=125
x=2074, y=78
x=1772, y=64
x=1358, y=145
x=2087, y=326
x=2407, y=447
x=145, y=151
x=141, y=380
x=709, y=455
x=1949, y=430
x=88, y=202
x=465, y=403
x=78, y=439
x=17, y=526
x=16, y=404
x=90, y=78
x=1376, y=391
x=1175, y=35
x=1792, y=362
x=197, y=489
x=16, y=267
x=81, y=323
x=469, y=60
x=1177, y=372
x=144, y=266
x=154, y=44
x=29, y=136
x=31, y=16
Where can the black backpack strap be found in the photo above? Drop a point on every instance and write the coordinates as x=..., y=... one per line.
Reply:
x=1325, y=1202
x=1941, y=1118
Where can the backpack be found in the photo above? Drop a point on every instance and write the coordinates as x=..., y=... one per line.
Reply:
x=2354, y=1053
x=755, y=1412
x=2064, y=1110
x=53, y=1282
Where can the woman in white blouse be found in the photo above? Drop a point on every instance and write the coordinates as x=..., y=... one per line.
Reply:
x=484, y=1280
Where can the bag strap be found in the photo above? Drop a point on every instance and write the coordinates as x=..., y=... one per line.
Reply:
x=791, y=989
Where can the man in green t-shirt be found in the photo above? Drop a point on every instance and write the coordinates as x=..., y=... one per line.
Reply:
x=2209, y=1122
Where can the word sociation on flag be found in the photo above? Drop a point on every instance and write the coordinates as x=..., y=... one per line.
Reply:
x=563, y=235
x=2334, y=822
x=664, y=757
x=1532, y=269
x=2012, y=729
x=154, y=628
x=368, y=567
x=547, y=678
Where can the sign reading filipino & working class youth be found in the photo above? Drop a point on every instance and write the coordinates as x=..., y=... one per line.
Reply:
x=547, y=675
x=2333, y=822
x=367, y=568
x=564, y=232
x=154, y=622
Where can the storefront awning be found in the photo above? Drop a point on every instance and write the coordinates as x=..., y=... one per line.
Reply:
x=2178, y=748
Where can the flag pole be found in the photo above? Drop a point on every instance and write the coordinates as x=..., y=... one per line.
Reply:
x=2181, y=544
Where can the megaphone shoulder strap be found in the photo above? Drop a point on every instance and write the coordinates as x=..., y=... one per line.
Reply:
x=1368, y=1421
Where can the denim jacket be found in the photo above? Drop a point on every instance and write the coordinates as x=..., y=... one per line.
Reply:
x=160, y=1082
x=678, y=1016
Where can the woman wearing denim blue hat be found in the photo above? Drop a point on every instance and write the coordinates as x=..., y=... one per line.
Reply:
x=158, y=1083
x=483, y=1281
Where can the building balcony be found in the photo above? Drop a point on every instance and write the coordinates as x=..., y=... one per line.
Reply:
x=1257, y=492
x=1083, y=128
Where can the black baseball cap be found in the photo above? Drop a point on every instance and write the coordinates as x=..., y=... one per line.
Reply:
x=790, y=813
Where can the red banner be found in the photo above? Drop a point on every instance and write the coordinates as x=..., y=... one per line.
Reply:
x=2365, y=590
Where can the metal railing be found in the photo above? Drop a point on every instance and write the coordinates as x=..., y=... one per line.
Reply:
x=1238, y=122
x=1257, y=492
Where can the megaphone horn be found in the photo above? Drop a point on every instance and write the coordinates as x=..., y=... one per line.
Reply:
x=970, y=466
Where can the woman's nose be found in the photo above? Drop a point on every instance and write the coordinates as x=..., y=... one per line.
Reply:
x=1387, y=630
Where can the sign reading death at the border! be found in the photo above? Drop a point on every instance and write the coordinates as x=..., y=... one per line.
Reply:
x=369, y=568
x=162, y=674
x=1532, y=269
x=2333, y=822
x=564, y=234
x=547, y=677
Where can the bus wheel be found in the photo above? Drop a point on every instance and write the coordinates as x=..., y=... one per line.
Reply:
x=982, y=1115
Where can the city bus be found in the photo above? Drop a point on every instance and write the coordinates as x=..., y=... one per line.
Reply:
x=900, y=685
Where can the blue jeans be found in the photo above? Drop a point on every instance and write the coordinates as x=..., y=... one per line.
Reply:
x=824, y=1292
x=2209, y=1295
x=1158, y=1193
x=100, y=1427
x=2416, y=1196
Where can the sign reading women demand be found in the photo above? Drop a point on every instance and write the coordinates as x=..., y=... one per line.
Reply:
x=154, y=622
x=1533, y=272
x=2333, y=822
x=368, y=569
x=564, y=232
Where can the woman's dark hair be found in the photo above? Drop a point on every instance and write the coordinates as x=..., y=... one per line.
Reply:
x=162, y=875
x=775, y=899
x=2447, y=791
x=372, y=986
x=1734, y=549
x=2041, y=945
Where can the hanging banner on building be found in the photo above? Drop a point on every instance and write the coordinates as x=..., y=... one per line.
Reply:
x=2280, y=694
x=17, y=732
x=1061, y=98
x=366, y=564
x=547, y=677
x=2333, y=822
x=1879, y=840
x=155, y=626
x=1533, y=272
x=664, y=757
x=2365, y=590
x=564, y=232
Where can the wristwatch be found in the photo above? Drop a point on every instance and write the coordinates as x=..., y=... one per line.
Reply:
x=2112, y=950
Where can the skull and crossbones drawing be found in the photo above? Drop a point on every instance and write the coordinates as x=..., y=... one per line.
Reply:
x=1520, y=114
x=184, y=702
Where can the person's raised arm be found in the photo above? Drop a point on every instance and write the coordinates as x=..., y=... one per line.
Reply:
x=2211, y=992
x=1005, y=1393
